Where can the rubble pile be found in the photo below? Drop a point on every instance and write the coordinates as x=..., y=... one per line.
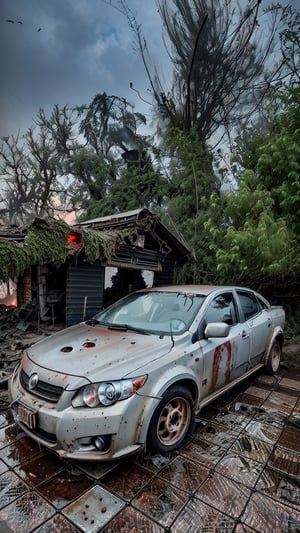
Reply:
x=15, y=336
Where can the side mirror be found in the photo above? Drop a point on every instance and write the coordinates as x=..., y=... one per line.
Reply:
x=215, y=330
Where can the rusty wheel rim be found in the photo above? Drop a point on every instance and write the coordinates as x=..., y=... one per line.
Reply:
x=174, y=421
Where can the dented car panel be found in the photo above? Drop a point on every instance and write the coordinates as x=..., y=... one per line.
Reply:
x=137, y=373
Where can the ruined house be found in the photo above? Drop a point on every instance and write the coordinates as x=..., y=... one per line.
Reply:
x=65, y=274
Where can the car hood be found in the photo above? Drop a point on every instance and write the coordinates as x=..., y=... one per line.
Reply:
x=97, y=353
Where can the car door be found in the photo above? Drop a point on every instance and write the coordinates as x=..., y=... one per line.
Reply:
x=224, y=359
x=259, y=322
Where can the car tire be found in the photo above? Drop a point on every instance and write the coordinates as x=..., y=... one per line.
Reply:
x=173, y=420
x=274, y=357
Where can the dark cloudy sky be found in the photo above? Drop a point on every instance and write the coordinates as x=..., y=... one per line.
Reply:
x=65, y=52
x=84, y=47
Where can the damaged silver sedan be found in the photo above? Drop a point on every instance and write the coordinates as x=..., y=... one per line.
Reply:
x=134, y=376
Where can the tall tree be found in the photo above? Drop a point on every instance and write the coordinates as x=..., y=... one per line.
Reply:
x=30, y=167
x=225, y=56
x=191, y=181
x=114, y=171
x=91, y=160
x=109, y=122
x=17, y=188
x=290, y=44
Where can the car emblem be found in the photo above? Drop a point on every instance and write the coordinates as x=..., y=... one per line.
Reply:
x=33, y=381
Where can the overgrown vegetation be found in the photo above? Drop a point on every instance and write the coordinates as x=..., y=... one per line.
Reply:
x=292, y=328
x=255, y=229
x=46, y=242
x=100, y=245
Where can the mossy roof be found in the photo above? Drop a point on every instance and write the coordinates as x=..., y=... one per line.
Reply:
x=45, y=241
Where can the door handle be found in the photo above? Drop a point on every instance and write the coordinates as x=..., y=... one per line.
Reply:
x=245, y=335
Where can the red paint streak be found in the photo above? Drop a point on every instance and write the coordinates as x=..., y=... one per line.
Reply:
x=228, y=364
x=219, y=351
x=215, y=368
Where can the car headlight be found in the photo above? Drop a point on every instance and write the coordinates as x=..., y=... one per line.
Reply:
x=107, y=392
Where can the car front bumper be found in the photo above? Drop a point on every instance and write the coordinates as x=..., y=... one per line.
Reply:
x=72, y=432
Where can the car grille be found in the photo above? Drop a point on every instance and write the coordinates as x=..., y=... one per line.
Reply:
x=47, y=391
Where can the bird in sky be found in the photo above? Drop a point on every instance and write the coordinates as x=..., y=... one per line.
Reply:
x=19, y=22
x=13, y=21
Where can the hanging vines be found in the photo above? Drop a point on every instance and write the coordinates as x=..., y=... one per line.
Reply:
x=101, y=244
x=46, y=242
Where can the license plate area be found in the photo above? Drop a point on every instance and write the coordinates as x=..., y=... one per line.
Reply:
x=27, y=416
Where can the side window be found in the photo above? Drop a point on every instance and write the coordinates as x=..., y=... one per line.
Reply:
x=249, y=304
x=221, y=309
x=262, y=304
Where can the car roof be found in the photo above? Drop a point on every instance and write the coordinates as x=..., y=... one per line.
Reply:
x=195, y=289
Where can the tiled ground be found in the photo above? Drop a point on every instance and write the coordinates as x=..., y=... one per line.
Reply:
x=239, y=473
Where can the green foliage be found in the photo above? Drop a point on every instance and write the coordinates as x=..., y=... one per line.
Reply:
x=139, y=188
x=13, y=260
x=44, y=243
x=110, y=176
x=255, y=230
x=274, y=156
x=134, y=189
x=100, y=245
x=292, y=327
x=191, y=182
x=258, y=251
x=255, y=249
x=92, y=176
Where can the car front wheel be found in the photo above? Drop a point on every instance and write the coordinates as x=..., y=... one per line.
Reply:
x=274, y=357
x=172, y=421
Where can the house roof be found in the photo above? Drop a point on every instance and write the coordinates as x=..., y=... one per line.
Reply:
x=141, y=219
x=12, y=233
x=45, y=241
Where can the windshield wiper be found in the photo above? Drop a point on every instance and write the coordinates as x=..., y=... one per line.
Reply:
x=126, y=327
x=93, y=322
